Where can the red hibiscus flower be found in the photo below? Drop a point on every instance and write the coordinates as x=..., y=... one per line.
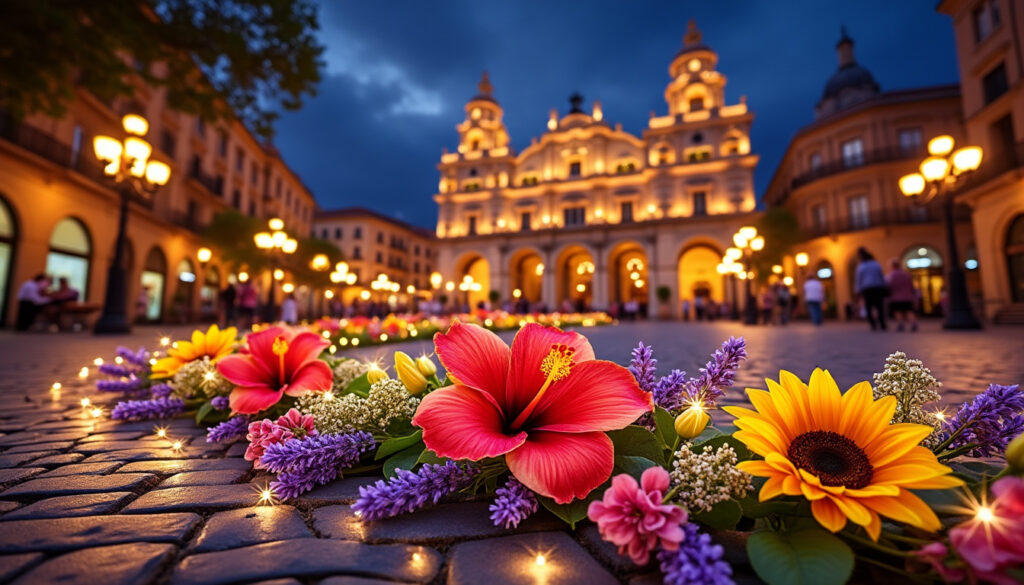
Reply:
x=544, y=404
x=278, y=361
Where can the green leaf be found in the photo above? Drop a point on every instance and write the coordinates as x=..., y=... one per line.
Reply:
x=404, y=459
x=429, y=456
x=639, y=442
x=360, y=387
x=666, y=426
x=752, y=508
x=742, y=453
x=722, y=516
x=805, y=557
x=633, y=465
x=396, y=444
x=204, y=410
x=571, y=513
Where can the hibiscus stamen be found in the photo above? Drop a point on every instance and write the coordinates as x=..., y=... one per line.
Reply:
x=280, y=348
x=556, y=366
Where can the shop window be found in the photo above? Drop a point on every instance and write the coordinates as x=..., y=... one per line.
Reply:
x=70, y=254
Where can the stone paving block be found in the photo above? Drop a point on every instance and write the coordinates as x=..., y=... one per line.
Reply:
x=189, y=478
x=56, y=446
x=108, y=446
x=121, y=564
x=112, y=436
x=8, y=506
x=354, y=581
x=135, y=455
x=82, y=468
x=20, y=458
x=512, y=559
x=237, y=450
x=183, y=465
x=68, y=506
x=609, y=553
x=59, y=425
x=294, y=582
x=13, y=565
x=309, y=557
x=339, y=491
x=211, y=497
x=79, y=484
x=56, y=534
x=56, y=460
x=444, y=523
x=29, y=437
x=17, y=474
x=247, y=526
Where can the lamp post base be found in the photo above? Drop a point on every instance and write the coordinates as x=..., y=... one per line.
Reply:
x=114, y=319
x=961, y=320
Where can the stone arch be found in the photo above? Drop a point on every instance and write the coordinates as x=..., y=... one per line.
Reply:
x=697, y=273
x=473, y=283
x=628, y=273
x=575, y=268
x=526, y=275
x=149, y=305
x=70, y=254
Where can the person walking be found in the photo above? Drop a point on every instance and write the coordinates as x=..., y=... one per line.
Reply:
x=814, y=297
x=290, y=310
x=228, y=296
x=902, y=296
x=870, y=286
x=767, y=306
x=248, y=301
x=783, y=299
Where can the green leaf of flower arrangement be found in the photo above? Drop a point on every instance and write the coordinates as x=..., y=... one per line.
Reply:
x=665, y=424
x=572, y=512
x=638, y=442
x=723, y=516
x=204, y=410
x=633, y=465
x=396, y=444
x=429, y=456
x=404, y=459
x=805, y=557
x=360, y=386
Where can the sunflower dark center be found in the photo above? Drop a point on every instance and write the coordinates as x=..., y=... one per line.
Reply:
x=835, y=459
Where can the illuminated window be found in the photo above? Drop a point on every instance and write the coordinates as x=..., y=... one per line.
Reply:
x=860, y=216
x=699, y=154
x=696, y=104
x=70, y=253
x=625, y=167
x=528, y=181
x=472, y=186
x=663, y=155
x=815, y=161
x=910, y=140
x=853, y=152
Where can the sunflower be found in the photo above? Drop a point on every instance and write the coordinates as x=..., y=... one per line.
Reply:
x=214, y=344
x=839, y=452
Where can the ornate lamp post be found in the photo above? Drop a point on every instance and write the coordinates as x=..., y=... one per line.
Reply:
x=126, y=164
x=747, y=243
x=275, y=243
x=939, y=176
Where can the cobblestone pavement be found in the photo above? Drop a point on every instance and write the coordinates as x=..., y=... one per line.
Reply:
x=90, y=500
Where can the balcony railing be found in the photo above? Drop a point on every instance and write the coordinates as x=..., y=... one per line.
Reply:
x=884, y=217
x=842, y=165
x=47, y=147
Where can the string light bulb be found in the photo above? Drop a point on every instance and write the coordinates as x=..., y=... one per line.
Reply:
x=541, y=560
x=85, y=402
x=161, y=432
x=984, y=514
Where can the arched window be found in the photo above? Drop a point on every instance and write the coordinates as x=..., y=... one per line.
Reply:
x=1015, y=258
x=70, y=255
x=924, y=264
x=150, y=303
x=185, y=290
x=8, y=235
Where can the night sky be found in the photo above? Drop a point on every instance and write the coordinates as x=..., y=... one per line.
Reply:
x=398, y=74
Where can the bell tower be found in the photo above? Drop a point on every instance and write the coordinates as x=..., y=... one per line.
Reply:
x=483, y=129
x=695, y=85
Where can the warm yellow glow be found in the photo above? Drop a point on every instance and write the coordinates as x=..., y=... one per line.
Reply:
x=350, y=278
x=336, y=277
x=290, y=246
x=137, y=151
x=83, y=374
x=722, y=268
x=741, y=275
x=634, y=275
x=501, y=223
x=748, y=232
x=966, y=159
x=539, y=270
x=118, y=360
x=410, y=289
x=581, y=287
x=135, y=124
x=320, y=262
x=161, y=432
x=177, y=445
x=934, y=168
x=449, y=286
x=801, y=259
x=733, y=253
x=757, y=243
x=940, y=415
x=777, y=269
x=157, y=173
x=651, y=208
x=940, y=145
x=263, y=240
x=541, y=560
x=108, y=150
x=546, y=219
x=598, y=213
x=96, y=412
x=984, y=514
x=435, y=279
x=278, y=238
x=912, y=184
x=365, y=295
x=85, y=402
x=739, y=241
x=243, y=276
x=341, y=267
x=788, y=281
x=278, y=274
x=97, y=362
x=288, y=287
x=204, y=254
x=275, y=224
x=638, y=283
x=517, y=293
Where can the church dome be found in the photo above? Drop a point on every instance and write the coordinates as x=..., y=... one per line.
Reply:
x=850, y=75
x=851, y=84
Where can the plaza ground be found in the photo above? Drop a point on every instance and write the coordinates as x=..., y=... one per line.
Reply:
x=86, y=500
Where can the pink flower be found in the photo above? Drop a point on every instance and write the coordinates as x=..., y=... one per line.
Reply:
x=934, y=554
x=264, y=433
x=992, y=543
x=278, y=361
x=633, y=516
x=544, y=404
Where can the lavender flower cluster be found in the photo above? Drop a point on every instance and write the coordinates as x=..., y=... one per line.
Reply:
x=674, y=391
x=407, y=491
x=139, y=358
x=697, y=561
x=221, y=402
x=234, y=428
x=989, y=422
x=129, y=375
x=161, y=390
x=147, y=409
x=302, y=464
x=513, y=504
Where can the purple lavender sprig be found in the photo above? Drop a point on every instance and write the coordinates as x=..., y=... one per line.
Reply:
x=302, y=464
x=643, y=365
x=125, y=385
x=117, y=370
x=669, y=392
x=138, y=358
x=161, y=390
x=233, y=428
x=989, y=422
x=407, y=491
x=221, y=402
x=147, y=409
x=513, y=504
x=697, y=561
x=719, y=373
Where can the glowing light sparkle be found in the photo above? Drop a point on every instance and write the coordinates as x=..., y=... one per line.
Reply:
x=541, y=560
x=984, y=514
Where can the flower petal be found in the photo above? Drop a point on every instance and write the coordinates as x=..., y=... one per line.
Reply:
x=250, y=400
x=476, y=357
x=462, y=423
x=243, y=370
x=827, y=513
x=313, y=376
x=562, y=466
x=597, y=396
x=529, y=348
x=302, y=348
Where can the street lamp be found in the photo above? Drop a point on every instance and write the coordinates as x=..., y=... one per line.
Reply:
x=939, y=175
x=126, y=164
x=274, y=243
x=747, y=242
x=728, y=269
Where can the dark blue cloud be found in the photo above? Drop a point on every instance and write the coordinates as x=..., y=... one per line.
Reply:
x=399, y=73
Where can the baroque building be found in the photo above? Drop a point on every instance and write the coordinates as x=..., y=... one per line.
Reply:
x=594, y=215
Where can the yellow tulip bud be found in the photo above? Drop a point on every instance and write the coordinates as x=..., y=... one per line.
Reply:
x=409, y=373
x=692, y=422
x=1015, y=454
x=375, y=374
x=427, y=367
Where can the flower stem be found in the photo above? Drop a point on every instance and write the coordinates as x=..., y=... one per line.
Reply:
x=874, y=545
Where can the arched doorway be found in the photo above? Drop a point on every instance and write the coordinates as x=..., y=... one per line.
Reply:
x=526, y=277
x=185, y=293
x=149, y=306
x=925, y=267
x=574, y=277
x=8, y=241
x=474, y=280
x=826, y=275
x=1015, y=258
x=70, y=255
x=699, y=281
x=208, y=293
x=628, y=268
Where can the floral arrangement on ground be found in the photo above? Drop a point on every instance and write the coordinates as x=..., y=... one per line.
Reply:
x=819, y=485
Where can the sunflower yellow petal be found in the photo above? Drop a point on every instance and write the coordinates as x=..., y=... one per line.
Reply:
x=772, y=488
x=852, y=509
x=874, y=528
x=754, y=442
x=894, y=442
x=824, y=399
x=828, y=515
x=756, y=468
x=854, y=404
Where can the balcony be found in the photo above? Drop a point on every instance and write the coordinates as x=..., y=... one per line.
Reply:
x=185, y=220
x=884, y=217
x=871, y=157
x=47, y=147
x=212, y=184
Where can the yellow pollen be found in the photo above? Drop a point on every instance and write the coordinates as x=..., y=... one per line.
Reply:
x=280, y=348
x=556, y=366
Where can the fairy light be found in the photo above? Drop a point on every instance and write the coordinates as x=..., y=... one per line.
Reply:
x=174, y=345
x=210, y=376
x=326, y=334
x=328, y=395
x=383, y=337
x=333, y=349
x=85, y=402
x=984, y=514
x=118, y=360
x=541, y=560
x=152, y=361
x=358, y=513
x=266, y=496
x=96, y=412
x=416, y=557
x=97, y=362
x=161, y=432
x=176, y=446
x=55, y=387
x=940, y=415
x=165, y=341
x=355, y=341
x=83, y=373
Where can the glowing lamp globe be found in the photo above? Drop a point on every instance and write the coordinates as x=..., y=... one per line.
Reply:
x=940, y=145
x=157, y=173
x=135, y=125
x=934, y=168
x=912, y=184
x=802, y=259
x=290, y=246
x=966, y=159
x=108, y=150
x=337, y=277
x=204, y=255
x=264, y=240
x=748, y=232
x=757, y=244
x=275, y=224
x=137, y=151
x=350, y=278
x=739, y=241
x=733, y=253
